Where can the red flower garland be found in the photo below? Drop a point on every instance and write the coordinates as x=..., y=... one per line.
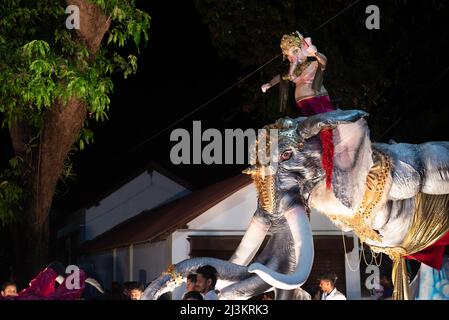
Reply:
x=327, y=159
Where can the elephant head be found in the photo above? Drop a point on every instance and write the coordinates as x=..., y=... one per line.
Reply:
x=286, y=184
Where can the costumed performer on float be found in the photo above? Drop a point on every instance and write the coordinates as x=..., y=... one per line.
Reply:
x=306, y=71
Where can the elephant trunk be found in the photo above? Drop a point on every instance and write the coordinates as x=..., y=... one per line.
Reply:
x=158, y=287
x=164, y=283
x=303, y=245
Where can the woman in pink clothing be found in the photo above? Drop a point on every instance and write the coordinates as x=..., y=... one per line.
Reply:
x=306, y=71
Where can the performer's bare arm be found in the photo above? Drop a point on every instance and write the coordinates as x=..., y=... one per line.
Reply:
x=313, y=52
x=297, y=56
x=272, y=83
x=321, y=59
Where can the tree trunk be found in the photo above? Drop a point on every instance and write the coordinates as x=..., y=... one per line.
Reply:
x=60, y=132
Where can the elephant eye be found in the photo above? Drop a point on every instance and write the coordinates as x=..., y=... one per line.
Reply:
x=287, y=154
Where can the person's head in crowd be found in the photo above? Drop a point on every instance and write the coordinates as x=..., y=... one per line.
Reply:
x=191, y=282
x=165, y=296
x=9, y=289
x=327, y=281
x=192, y=295
x=206, y=279
x=134, y=290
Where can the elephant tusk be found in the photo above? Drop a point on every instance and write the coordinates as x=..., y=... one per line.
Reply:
x=94, y=283
x=251, y=242
x=303, y=244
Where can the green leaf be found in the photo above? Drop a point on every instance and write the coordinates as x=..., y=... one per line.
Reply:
x=110, y=38
x=136, y=38
x=42, y=62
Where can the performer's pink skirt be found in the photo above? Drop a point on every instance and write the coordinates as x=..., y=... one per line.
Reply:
x=310, y=107
x=315, y=105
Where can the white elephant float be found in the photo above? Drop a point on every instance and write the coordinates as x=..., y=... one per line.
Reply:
x=395, y=197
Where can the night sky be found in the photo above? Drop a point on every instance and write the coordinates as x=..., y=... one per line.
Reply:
x=178, y=71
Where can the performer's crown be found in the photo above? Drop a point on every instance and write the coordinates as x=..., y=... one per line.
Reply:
x=290, y=40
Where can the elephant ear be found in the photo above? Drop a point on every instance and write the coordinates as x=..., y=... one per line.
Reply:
x=311, y=126
x=352, y=151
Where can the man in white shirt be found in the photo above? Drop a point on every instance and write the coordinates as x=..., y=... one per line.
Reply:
x=205, y=282
x=327, y=286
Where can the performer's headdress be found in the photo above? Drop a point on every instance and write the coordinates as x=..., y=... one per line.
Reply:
x=291, y=40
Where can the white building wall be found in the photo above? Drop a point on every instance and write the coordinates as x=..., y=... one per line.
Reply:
x=150, y=260
x=233, y=213
x=121, y=266
x=103, y=266
x=142, y=263
x=142, y=193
